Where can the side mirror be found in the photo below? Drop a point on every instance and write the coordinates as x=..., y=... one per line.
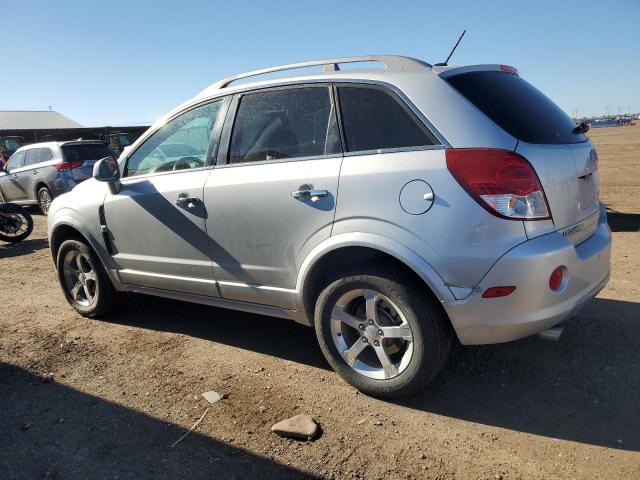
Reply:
x=106, y=170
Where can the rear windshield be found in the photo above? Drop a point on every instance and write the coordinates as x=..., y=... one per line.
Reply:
x=517, y=107
x=86, y=151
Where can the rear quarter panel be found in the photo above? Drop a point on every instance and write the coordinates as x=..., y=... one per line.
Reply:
x=456, y=236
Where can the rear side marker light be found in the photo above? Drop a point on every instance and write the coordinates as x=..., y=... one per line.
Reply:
x=557, y=279
x=495, y=292
x=64, y=166
x=501, y=181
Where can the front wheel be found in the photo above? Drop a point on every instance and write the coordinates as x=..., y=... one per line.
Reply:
x=16, y=223
x=381, y=332
x=84, y=280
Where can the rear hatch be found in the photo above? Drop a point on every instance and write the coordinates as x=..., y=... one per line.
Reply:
x=82, y=156
x=564, y=161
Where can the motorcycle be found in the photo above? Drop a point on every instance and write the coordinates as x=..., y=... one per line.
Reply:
x=16, y=223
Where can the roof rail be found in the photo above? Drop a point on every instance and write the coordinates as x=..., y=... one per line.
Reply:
x=391, y=62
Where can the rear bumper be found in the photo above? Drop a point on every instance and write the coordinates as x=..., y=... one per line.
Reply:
x=533, y=306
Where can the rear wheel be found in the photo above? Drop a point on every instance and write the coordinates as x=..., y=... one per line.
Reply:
x=84, y=280
x=381, y=332
x=44, y=200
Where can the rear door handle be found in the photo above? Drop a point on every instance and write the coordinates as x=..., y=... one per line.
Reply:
x=311, y=194
x=186, y=200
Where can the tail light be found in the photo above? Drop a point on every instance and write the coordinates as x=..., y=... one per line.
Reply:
x=64, y=166
x=501, y=181
x=509, y=69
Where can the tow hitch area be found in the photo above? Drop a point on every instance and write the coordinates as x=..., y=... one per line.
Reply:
x=552, y=334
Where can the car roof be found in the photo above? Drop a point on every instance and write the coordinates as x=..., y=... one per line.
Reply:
x=58, y=144
x=395, y=70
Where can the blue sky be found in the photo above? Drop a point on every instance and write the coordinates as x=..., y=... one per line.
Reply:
x=126, y=62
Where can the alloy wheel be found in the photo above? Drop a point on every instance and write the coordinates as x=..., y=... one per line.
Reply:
x=371, y=334
x=44, y=200
x=80, y=277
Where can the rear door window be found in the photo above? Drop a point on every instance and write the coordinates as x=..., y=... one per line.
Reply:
x=517, y=106
x=287, y=123
x=86, y=151
x=32, y=157
x=374, y=119
x=45, y=154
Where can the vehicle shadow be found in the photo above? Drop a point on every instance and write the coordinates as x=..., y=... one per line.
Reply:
x=269, y=335
x=623, y=222
x=8, y=250
x=584, y=388
x=50, y=430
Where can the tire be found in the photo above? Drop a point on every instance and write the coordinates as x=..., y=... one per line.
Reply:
x=11, y=209
x=95, y=296
x=44, y=200
x=411, y=364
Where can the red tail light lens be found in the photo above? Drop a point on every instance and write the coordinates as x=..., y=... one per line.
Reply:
x=501, y=181
x=64, y=166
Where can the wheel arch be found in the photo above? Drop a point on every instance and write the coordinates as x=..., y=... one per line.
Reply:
x=65, y=223
x=39, y=185
x=61, y=233
x=344, y=250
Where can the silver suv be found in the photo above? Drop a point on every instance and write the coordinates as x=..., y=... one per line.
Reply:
x=391, y=208
x=37, y=173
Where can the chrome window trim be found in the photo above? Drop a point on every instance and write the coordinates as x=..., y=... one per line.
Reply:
x=395, y=150
x=280, y=160
x=132, y=179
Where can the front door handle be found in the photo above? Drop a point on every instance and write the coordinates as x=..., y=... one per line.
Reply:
x=310, y=194
x=186, y=201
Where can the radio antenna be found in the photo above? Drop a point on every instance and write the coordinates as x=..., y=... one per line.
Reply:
x=444, y=64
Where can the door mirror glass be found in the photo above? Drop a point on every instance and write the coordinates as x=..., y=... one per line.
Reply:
x=106, y=170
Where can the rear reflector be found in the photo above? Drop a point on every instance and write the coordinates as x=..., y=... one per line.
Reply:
x=64, y=166
x=495, y=292
x=501, y=181
x=556, y=279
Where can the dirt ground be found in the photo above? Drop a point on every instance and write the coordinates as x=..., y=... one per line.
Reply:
x=106, y=398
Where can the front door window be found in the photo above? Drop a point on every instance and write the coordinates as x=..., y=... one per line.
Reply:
x=181, y=144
